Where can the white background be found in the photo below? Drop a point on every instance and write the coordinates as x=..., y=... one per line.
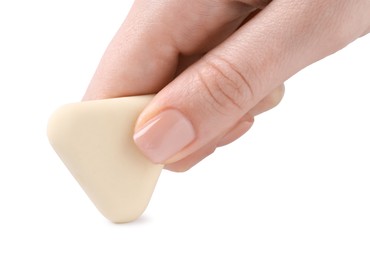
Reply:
x=297, y=186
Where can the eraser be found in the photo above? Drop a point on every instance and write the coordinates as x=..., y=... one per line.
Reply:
x=94, y=139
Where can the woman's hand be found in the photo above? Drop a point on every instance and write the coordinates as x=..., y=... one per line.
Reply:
x=215, y=64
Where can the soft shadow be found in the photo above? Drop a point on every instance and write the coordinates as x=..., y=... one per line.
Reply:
x=142, y=220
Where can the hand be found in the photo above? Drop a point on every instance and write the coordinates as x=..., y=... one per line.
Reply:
x=215, y=65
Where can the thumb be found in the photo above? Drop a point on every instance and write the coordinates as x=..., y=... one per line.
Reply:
x=203, y=103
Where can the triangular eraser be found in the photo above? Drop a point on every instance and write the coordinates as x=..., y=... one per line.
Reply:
x=94, y=139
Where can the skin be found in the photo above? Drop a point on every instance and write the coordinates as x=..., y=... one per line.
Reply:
x=227, y=60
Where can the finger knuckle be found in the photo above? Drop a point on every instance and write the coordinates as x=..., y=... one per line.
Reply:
x=225, y=85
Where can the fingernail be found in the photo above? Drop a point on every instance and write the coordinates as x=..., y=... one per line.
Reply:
x=164, y=135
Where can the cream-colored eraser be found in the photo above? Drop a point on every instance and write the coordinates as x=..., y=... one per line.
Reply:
x=94, y=139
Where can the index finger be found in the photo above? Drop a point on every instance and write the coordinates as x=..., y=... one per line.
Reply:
x=143, y=56
x=139, y=59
